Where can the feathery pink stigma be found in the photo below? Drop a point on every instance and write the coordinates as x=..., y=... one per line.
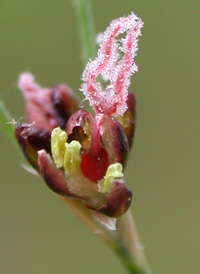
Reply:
x=112, y=100
x=27, y=84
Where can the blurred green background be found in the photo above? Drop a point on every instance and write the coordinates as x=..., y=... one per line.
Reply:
x=38, y=234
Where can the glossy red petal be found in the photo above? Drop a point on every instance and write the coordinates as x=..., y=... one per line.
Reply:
x=94, y=167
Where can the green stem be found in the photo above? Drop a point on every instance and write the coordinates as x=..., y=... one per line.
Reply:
x=128, y=246
x=127, y=260
x=86, y=29
x=6, y=125
x=123, y=241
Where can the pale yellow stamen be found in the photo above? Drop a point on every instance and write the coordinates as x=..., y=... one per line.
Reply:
x=72, y=157
x=58, y=140
x=113, y=171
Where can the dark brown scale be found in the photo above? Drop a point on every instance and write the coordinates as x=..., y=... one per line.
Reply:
x=64, y=103
x=31, y=141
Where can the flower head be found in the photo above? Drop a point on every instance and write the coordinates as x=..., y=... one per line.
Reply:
x=80, y=155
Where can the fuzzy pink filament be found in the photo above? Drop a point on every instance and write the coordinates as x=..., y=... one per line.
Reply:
x=112, y=100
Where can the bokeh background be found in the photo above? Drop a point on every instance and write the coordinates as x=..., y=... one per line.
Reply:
x=38, y=234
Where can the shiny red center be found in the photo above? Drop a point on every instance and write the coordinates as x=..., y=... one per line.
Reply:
x=94, y=167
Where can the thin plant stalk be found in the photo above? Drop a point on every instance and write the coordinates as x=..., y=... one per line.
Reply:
x=129, y=248
x=123, y=241
x=86, y=29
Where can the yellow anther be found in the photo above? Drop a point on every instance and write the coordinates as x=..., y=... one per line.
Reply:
x=113, y=171
x=58, y=140
x=72, y=157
